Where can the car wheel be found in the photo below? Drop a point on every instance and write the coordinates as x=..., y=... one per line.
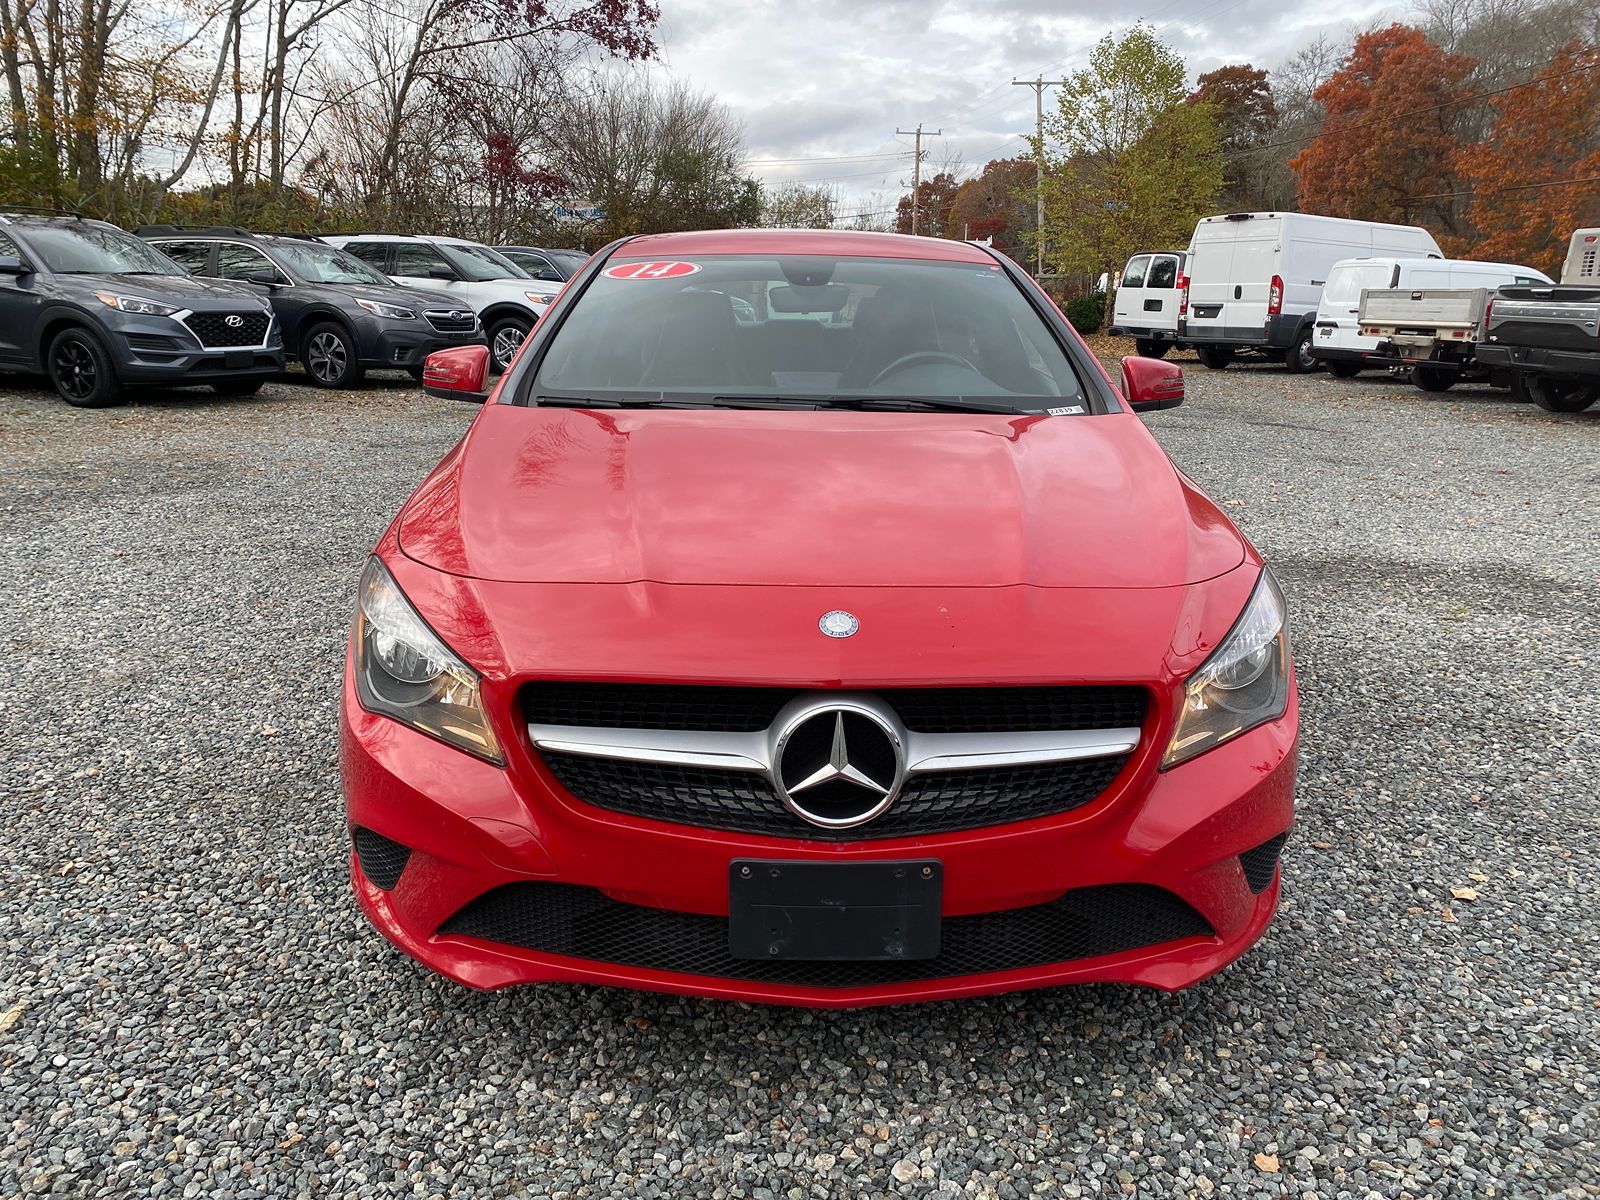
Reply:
x=1343, y=370
x=329, y=357
x=80, y=370
x=1151, y=347
x=1559, y=395
x=1215, y=357
x=505, y=338
x=238, y=387
x=1432, y=379
x=1299, y=358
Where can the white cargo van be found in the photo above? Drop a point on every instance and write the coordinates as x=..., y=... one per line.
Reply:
x=1255, y=279
x=1339, y=343
x=1149, y=302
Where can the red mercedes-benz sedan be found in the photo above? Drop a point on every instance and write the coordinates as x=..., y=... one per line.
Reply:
x=808, y=618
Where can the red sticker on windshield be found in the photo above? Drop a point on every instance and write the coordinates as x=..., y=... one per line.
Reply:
x=651, y=270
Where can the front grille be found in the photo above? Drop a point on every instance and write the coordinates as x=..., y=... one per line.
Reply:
x=382, y=859
x=582, y=922
x=445, y=323
x=1261, y=863
x=213, y=329
x=750, y=709
x=745, y=802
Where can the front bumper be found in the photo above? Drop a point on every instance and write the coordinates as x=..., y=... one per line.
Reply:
x=471, y=828
x=159, y=350
x=407, y=344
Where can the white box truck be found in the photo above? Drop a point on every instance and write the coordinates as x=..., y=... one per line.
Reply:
x=1255, y=279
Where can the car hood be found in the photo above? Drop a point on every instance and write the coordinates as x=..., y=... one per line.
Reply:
x=814, y=498
x=406, y=296
x=187, y=290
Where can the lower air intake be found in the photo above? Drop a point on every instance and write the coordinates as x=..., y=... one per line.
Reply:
x=1261, y=863
x=582, y=922
x=381, y=859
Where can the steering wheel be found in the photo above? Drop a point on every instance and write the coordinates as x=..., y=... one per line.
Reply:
x=919, y=358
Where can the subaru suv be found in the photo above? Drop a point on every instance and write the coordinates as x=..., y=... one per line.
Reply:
x=340, y=316
x=506, y=298
x=95, y=308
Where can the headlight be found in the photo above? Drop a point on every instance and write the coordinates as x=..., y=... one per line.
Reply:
x=137, y=304
x=404, y=671
x=538, y=297
x=1244, y=683
x=392, y=312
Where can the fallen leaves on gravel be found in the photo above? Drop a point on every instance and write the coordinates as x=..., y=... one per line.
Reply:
x=1267, y=1163
x=11, y=1016
x=1469, y=894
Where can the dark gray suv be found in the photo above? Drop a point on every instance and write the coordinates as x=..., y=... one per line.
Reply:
x=95, y=308
x=340, y=316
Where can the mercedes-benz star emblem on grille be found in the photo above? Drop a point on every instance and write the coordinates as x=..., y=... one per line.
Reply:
x=838, y=623
x=233, y=320
x=838, y=766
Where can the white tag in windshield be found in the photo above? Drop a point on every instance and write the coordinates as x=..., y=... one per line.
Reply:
x=1065, y=412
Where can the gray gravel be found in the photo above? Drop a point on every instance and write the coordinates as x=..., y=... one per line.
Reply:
x=190, y=1004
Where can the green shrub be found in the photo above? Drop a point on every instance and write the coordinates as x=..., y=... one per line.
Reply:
x=1086, y=312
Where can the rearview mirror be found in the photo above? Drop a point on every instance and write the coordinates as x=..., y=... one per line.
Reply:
x=264, y=278
x=437, y=272
x=459, y=373
x=12, y=265
x=1149, y=384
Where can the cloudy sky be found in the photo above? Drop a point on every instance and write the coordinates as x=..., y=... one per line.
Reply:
x=822, y=85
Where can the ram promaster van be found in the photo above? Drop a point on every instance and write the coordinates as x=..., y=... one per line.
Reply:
x=1255, y=279
x=1150, y=301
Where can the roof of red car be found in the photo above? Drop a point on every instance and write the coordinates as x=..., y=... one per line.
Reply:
x=835, y=242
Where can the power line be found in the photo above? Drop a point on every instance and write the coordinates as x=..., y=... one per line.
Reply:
x=838, y=158
x=1516, y=187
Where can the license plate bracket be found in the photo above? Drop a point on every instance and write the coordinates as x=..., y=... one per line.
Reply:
x=238, y=360
x=834, y=912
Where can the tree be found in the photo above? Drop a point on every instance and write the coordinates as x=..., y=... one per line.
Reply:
x=1241, y=99
x=1543, y=134
x=997, y=203
x=1385, y=149
x=1129, y=165
x=933, y=218
x=798, y=206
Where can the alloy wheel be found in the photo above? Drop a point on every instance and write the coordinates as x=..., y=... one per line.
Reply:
x=75, y=370
x=326, y=357
x=506, y=343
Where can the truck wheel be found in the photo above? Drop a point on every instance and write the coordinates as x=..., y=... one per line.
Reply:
x=1151, y=347
x=1432, y=379
x=1298, y=358
x=329, y=357
x=1560, y=395
x=80, y=370
x=505, y=339
x=1342, y=369
x=1216, y=358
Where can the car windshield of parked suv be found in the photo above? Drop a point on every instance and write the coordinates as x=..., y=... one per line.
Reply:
x=92, y=249
x=479, y=262
x=568, y=260
x=324, y=264
x=726, y=329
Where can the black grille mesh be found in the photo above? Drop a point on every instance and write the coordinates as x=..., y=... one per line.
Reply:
x=445, y=323
x=750, y=709
x=746, y=802
x=213, y=329
x=1260, y=864
x=581, y=922
x=382, y=859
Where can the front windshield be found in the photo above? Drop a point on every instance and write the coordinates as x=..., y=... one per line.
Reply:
x=480, y=263
x=1345, y=282
x=807, y=327
x=568, y=260
x=93, y=249
x=323, y=264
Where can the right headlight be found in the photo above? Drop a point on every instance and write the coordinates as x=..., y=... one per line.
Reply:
x=404, y=671
x=1243, y=684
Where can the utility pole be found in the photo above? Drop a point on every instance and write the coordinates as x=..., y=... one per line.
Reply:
x=1038, y=85
x=916, y=173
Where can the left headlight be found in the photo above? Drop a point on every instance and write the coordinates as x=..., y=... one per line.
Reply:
x=538, y=298
x=392, y=312
x=404, y=671
x=1243, y=684
x=137, y=304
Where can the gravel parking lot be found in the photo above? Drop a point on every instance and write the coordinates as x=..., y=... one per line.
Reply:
x=190, y=1004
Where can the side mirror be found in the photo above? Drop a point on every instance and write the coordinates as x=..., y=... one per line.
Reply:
x=264, y=278
x=12, y=265
x=1149, y=384
x=441, y=273
x=459, y=373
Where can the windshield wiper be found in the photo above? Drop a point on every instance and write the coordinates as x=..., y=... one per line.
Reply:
x=926, y=404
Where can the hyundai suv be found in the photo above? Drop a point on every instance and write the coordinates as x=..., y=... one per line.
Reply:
x=507, y=300
x=95, y=308
x=340, y=316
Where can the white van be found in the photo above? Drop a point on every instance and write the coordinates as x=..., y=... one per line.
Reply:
x=1255, y=279
x=1149, y=302
x=1342, y=347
